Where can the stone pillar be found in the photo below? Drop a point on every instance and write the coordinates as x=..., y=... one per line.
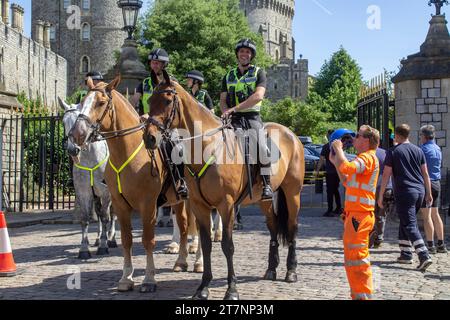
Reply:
x=46, y=38
x=17, y=17
x=5, y=11
x=39, y=32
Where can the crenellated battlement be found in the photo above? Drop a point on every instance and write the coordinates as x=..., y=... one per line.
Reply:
x=283, y=7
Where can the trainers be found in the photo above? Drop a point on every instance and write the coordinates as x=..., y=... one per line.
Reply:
x=377, y=244
x=424, y=264
x=338, y=212
x=404, y=260
x=441, y=249
x=432, y=250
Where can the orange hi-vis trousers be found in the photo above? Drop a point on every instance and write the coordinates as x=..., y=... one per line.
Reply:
x=357, y=227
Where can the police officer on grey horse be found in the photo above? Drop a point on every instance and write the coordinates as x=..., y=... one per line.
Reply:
x=243, y=90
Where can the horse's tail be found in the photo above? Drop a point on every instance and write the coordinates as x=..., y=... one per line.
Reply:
x=282, y=214
x=192, y=224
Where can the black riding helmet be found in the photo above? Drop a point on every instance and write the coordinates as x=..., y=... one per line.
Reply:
x=95, y=75
x=196, y=75
x=159, y=55
x=246, y=43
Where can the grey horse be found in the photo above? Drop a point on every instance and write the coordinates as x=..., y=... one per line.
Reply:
x=90, y=189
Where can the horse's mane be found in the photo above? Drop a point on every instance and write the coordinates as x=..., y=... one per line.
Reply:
x=192, y=101
x=103, y=85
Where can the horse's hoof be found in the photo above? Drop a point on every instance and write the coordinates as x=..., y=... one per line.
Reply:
x=291, y=277
x=180, y=267
x=231, y=295
x=173, y=248
x=97, y=243
x=102, y=251
x=193, y=249
x=125, y=286
x=148, y=287
x=201, y=294
x=218, y=237
x=84, y=255
x=198, y=268
x=112, y=244
x=270, y=275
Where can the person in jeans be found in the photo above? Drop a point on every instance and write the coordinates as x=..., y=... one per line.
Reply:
x=377, y=234
x=331, y=179
x=406, y=163
x=431, y=219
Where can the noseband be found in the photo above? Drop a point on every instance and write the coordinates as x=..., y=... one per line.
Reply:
x=165, y=127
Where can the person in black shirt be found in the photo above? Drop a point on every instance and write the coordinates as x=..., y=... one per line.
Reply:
x=406, y=163
x=331, y=179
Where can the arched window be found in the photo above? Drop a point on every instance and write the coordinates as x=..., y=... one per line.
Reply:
x=277, y=56
x=275, y=86
x=86, y=5
x=85, y=32
x=85, y=65
x=296, y=76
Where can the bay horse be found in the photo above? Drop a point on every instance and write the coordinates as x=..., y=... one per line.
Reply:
x=90, y=190
x=135, y=177
x=223, y=184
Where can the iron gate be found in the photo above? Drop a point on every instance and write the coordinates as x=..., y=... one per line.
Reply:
x=376, y=109
x=36, y=169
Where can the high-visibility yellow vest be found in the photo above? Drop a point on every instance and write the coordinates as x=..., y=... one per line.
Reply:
x=243, y=87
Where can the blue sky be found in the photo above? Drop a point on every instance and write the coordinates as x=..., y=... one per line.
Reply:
x=321, y=26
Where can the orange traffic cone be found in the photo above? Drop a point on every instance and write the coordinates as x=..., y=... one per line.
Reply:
x=7, y=265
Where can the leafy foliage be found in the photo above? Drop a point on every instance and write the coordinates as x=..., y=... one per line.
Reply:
x=198, y=34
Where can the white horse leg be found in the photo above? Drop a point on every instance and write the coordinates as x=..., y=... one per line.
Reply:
x=112, y=243
x=85, y=207
x=198, y=265
x=104, y=218
x=174, y=247
x=96, y=213
x=159, y=217
x=218, y=228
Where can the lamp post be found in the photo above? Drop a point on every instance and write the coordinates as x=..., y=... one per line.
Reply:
x=129, y=66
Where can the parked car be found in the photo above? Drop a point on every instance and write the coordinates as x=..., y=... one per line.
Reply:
x=305, y=140
x=311, y=162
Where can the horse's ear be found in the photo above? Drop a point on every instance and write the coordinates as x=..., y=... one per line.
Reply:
x=90, y=83
x=63, y=104
x=114, y=84
x=154, y=77
x=166, y=77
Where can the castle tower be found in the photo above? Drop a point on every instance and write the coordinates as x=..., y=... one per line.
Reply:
x=85, y=32
x=273, y=20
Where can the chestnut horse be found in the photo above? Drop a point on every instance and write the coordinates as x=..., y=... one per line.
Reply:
x=223, y=185
x=134, y=176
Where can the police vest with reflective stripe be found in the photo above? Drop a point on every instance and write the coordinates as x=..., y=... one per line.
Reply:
x=243, y=87
x=147, y=87
x=200, y=96
x=361, y=186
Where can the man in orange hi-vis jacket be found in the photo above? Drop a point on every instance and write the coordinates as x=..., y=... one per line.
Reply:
x=360, y=180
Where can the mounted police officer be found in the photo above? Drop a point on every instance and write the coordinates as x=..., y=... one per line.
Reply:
x=195, y=80
x=158, y=60
x=96, y=78
x=243, y=90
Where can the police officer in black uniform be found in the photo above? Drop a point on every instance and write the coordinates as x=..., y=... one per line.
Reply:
x=195, y=80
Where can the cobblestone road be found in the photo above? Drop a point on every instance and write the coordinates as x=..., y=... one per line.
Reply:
x=47, y=255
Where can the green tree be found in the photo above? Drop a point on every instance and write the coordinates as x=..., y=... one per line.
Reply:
x=198, y=34
x=336, y=88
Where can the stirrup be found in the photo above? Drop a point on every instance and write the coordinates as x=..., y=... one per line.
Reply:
x=183, y=192
x=267, y=193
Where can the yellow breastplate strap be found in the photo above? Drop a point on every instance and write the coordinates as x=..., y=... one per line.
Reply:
x=118, y=171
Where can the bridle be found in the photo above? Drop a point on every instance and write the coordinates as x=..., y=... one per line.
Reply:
x=165, y=127
x=94, y=133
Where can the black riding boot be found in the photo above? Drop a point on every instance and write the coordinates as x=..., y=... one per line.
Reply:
x=267, y=193
x=182, y=189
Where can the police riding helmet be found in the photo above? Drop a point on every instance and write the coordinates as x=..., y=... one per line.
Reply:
x=246, y=43
x=159, y=55
x=196, y=76
x=95, y=75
